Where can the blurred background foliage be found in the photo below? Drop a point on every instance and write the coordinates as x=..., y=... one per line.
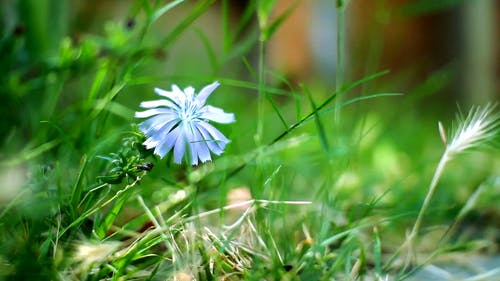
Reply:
x=63, y=60
x=72, y=74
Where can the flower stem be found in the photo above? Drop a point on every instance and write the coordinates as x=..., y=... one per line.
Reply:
x=428, y=197
x=339, y=72
x=261, y=92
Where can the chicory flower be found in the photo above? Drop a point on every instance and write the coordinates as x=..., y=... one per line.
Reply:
x=181, y=122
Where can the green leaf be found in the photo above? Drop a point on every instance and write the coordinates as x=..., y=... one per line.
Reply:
x=77, y=187
x=328, y=101
x=319, y=125
x=198, y=10
x=100, y=76
x=377, y=251
x=357, y=99
x=30, y=153
x=276, y=109
x=158, y=13
x=102, y=228
x=268, y=31
x=293, y=93
x=264, y=8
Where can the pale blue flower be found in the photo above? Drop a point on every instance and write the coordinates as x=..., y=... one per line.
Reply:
x=181, y=121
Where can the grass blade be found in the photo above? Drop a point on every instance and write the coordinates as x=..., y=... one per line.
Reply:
x=158, y=13
x=319, y=125
x=76, y=195
x=198, y=10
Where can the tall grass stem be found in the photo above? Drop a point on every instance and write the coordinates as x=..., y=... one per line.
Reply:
x=432, y=188
x=261, y=93
x=339, y=72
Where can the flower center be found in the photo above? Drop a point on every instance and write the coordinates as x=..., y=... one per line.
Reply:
x=189, y=111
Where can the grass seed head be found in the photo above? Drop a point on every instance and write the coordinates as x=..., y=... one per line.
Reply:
x=478, y=128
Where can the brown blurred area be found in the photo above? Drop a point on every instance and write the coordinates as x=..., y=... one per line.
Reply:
x=416, y=43
x=454, y=46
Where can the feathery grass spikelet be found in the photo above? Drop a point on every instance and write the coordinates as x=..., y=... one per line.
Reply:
x=477, y=128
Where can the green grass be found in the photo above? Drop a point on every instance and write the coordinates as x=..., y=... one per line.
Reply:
x=325, y=198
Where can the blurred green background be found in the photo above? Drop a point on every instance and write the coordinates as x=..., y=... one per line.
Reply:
x=439, y=54
x=72, y=74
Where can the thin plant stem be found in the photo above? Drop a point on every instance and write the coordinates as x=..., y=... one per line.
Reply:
x=247, y=204
x=430, y=192
x=339, y=72
x=261, y=92
x=259, y=137
x=432, y=188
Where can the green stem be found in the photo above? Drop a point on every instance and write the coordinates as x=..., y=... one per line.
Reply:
x=432, y=188
x=425, y=204
x=259, y=137
x=339, y=73
x=262, y=94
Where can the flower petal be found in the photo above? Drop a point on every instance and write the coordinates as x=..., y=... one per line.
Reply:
x=170, y=95
x=151, y=112
x=205, y=92
x=160, y=135
x=157, y=103
x=180, y=145
x=199, y=145
x=167, y=142
x=179, y=95
x=214, y=139
x=189, y=91
x=191, y=142
x=155, y=123
x=217, y=115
